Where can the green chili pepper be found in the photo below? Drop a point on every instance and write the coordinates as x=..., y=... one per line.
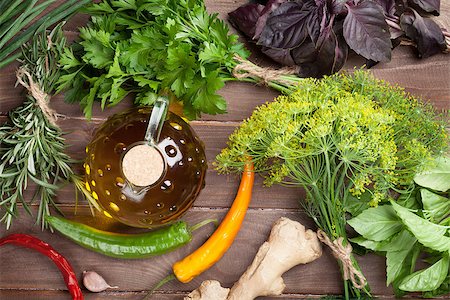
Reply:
x=119, y=245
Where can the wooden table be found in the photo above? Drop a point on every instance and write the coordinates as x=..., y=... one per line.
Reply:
x=25, y=274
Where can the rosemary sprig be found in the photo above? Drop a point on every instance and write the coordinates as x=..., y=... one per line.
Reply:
x=31, y=144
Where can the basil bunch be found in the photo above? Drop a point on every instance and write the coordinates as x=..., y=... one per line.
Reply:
x=417, y=223
x=317, y=35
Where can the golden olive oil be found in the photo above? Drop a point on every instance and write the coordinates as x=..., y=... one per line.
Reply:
x=168, y=198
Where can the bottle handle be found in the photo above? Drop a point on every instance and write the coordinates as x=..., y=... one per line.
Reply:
x=156, y=120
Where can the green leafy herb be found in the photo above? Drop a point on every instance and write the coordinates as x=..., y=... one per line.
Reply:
x=16, y=17
x=425, y=229
x=427, y=233
x=399, y=257
x=428, y=279
x=377, y=224
x=31, y=147
x=339, y=136
x=436, y=207
x=436, y=178
x=146, y=47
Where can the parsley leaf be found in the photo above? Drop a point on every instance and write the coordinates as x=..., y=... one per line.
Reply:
x=68, y=59
x=180, y=73
x=204, y=96
x=98, y=50
x=145, y=47
x=124, y=4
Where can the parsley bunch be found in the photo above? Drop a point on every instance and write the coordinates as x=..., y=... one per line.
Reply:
x=148, y=46
x=349, y=140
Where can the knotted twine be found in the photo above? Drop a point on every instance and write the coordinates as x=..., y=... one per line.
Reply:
x=245, y=69
x=42, y=98
x=343, y=253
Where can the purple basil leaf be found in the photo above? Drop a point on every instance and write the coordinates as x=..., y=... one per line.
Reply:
x=245, y=17
x=400, y=6
x=286, y=27
x=305, y=53
x=424, y=32
x=337, y=49
x=281, y=56
x=429, y=6
x=271, y=5
x=337, y=7
x=313, y=23
x=395, y=33
x=326, y=59
x=367, y=32
x=388, y=6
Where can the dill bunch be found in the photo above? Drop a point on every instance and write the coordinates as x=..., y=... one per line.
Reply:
x=31, y=145
x=342, y=138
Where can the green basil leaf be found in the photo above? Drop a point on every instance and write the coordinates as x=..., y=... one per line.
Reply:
x=428, y=279
x=436, y=206
x=368, y=244
x=409, y=200
x=437, y=178
x=428, y=234
x=398, y=256
x=356, y=205
x=377, y=223
x=403, y=240
x=398, y=264
x=442, y=290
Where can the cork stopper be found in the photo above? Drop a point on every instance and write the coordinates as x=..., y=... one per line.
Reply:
x=143, y=165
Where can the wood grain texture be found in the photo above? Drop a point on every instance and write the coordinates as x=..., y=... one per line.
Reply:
x=28, y=275
x=426, y=78
x=56, y=294
x=28, y=269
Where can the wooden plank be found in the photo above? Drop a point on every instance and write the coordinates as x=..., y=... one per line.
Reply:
x=30, y=270
x=219, y=190
x=56, y=295
x=64, y=295
x=28, y=275
x=427, y=78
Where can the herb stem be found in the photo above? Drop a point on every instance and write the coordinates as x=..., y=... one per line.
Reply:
x=278, y=87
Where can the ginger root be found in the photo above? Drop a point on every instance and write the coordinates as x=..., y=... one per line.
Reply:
x=289, y=244
x=209, y=290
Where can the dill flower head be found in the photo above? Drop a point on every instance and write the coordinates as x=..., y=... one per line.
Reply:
x=344, y=133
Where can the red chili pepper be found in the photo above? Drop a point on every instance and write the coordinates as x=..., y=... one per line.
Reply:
x=64, y=266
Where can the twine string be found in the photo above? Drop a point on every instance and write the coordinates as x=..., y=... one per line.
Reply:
x=246, y=69
x=42, y=98
x=343, y=253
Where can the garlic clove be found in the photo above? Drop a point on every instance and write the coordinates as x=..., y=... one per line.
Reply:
x=95, y=283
